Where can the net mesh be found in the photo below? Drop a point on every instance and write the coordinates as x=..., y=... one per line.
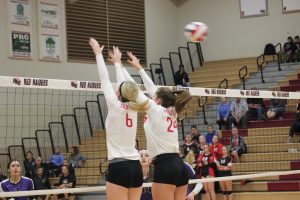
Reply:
x=39, y=119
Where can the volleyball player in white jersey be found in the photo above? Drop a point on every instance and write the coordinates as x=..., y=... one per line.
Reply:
x=125, y=177
x=170, y=175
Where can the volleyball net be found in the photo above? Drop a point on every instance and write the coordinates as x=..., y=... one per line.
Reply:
x=39, y=115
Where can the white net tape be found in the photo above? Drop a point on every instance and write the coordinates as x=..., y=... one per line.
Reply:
x=22, y=82
x=103, y=188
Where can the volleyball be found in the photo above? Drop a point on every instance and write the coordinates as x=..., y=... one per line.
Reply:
x=195, y=31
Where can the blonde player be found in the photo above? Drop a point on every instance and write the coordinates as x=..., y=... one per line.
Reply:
x=170, y=174
x=125, y=177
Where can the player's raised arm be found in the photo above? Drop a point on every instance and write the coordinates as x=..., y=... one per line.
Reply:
x=148, y=83
x=102, y=71
x=115, y=56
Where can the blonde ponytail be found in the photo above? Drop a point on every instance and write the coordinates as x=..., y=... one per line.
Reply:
x=140, y=107
x=129, y=92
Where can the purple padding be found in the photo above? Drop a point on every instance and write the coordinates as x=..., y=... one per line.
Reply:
x=227, y=133
x=290, y=177
x=284, y=186
x=295, y=165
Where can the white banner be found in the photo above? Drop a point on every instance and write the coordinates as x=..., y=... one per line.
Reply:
x=19, y=12
x=7, y=81
x=49, y=15
x=50, y=47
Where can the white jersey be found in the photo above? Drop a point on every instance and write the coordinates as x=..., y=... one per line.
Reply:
x=121, y=122
x=161, y=131
x=160, y=124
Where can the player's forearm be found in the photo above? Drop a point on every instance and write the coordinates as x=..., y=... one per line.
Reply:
x=127, y=75
x=104, y=78
x=148, y=83
x=197, y=188
x=119, y=73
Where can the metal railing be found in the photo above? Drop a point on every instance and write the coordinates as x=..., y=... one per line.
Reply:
x=202, y=101
x=102, y=162
x=242, y=77
x=189, y=54
x=261, y=60
x=222, y=82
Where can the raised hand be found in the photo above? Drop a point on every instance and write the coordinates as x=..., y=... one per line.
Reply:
x=134, y=61
x=95, y=46
x=115, y=55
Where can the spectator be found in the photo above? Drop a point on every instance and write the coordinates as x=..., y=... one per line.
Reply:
x=216, y=148
x=224, y=169
x=147, y=169
x=66, y=180
x=56, y=161
x=210, y=134
x=238, y=111
x=71, y=168
x=76, y=159
x=2, y=177
x=289, y=49
x=277, y=107
x=190, y=158
x=223, y=112
x=188, y=144
x=295, y=128
x=237, y=145
x=195, y=134
x=206, y=165
x=256, y=107
x=200, y=146
x=40, y=164
x=29, y=165
x=181, y=77
x=297, y=43
x=41, y=182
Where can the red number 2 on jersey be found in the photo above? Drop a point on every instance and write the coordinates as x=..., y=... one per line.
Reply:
x=128, y=121
x=172, y=125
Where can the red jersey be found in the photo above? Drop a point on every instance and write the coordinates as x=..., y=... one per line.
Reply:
x=216, y=150
x=209, y=169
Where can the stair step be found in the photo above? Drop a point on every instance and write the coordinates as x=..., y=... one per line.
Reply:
x=270, y=123
x=265, y=166
x=266, y=157
x=269, y=148
x=261, y=196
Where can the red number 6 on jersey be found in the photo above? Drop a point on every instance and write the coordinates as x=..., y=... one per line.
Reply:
x=128, y=121
x=172, y=125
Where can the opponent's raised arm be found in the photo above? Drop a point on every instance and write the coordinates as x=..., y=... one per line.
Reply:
x=148, y=83
x=115, y=57
x=102, y=70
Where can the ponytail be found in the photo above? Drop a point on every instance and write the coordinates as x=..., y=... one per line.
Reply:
x=179, y=99
x=129, y=92
x=140, y=107
x=183, y=97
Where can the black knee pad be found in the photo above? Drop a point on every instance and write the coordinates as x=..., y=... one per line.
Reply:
x=229, y=192
x=224, y=193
